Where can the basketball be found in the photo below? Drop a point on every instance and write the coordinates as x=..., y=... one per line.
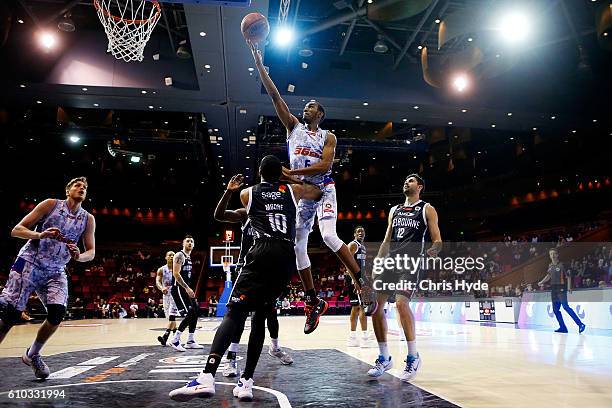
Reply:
x=255, y=27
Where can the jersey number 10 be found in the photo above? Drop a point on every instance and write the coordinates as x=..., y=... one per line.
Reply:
x=278, y=222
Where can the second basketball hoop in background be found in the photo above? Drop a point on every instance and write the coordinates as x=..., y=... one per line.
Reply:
x=255, y=27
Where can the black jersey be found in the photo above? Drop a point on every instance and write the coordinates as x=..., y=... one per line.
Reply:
x=246, y=242
x=272, y=211
x=186, y=271
x=360, y=255
x=409, y=223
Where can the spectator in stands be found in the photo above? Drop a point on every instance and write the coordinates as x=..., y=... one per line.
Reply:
x=133, y=310
x=78, y=308
x=151, y=308
x=286, y=307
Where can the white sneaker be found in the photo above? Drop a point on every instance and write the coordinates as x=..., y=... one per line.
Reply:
x=380, y=366
x=177, y=346
x=284, y=358
x=412, y=367
x=201, y=387
x=191, y=344
x=231, y=370
x=367, y=343
x=352, y=342
x=244, y=390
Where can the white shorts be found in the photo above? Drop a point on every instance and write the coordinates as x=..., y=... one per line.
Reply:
x=169, y=306
x=25, y=278
x=326, y=207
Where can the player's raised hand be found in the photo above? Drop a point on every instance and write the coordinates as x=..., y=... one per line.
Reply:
x=52, y=233
x=235, y=183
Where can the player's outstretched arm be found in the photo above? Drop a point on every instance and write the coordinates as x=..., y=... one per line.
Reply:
x=327, y=159
x=282, y=110
x=221, y=212
x=307, y=192
x=23, y=228
x=434, y=231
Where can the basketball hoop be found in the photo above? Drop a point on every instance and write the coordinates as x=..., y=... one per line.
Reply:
x=128, y=25
x=226, y=261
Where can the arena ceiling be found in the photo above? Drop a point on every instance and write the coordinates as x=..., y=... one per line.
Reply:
x=559, y=78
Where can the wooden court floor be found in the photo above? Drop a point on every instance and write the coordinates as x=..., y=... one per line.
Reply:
x=468, y=365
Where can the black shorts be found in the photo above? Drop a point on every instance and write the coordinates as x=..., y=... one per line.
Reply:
x=381, y=282
x=353, y=298
x=182, y=300
x=265, y=275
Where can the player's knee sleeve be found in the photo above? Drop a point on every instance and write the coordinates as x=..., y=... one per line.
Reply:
x=9, y=315
x=329, y=235
x=172, y=318
x=301, y=248
x=55, y=314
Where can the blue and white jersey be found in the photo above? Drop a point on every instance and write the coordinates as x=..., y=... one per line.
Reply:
x=52, y=254
x=305, y=149
x=166, y=276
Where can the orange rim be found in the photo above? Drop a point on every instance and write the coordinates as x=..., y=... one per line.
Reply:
x=126, y=21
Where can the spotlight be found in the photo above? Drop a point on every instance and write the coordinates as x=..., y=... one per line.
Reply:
x=460, y=82
x=380, y=46
x=514, y=26
x=47, y=40
x=283, y=36
x=74, y=139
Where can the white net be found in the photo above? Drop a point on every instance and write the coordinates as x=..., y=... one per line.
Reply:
x=128, y=25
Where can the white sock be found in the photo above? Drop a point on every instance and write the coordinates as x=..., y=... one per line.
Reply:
x=384, y=350
x=274, y=343
x=365, y=334
x=353, y=335
x=412, y=351
x=233, y=347
x=35, y=348
x=190, y=338
x=177, y=337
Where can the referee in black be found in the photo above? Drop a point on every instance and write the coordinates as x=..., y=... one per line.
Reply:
x=559, y=281
x=271, y=207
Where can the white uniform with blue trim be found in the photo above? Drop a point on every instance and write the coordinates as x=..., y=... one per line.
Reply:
x=305, y=149
x=169, y=305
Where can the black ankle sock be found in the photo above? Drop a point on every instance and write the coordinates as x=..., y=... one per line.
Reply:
x=231, y=355
x=311, y=297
